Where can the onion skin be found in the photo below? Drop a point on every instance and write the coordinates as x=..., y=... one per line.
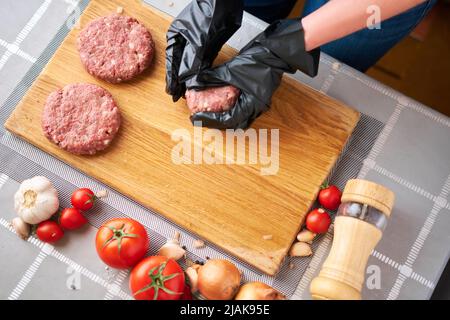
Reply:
x=258, y=291
x=218, y=280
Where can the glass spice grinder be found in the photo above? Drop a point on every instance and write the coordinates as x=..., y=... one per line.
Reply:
x=358, y=227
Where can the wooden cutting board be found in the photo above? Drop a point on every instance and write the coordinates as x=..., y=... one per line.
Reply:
x=232, y=206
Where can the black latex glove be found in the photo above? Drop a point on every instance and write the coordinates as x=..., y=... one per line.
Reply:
x=257, y=71
x=195, y=38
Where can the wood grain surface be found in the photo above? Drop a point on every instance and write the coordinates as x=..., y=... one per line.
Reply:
x=232, y=206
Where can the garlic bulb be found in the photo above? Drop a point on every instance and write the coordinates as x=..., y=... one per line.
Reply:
x=36, y=200
x=300, y=249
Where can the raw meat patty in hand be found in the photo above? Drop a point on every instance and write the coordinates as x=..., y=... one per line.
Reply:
x=215, y=99
x=115, y=48
x=81, y=118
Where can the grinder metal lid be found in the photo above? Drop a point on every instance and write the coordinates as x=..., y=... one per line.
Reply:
x=370, y=193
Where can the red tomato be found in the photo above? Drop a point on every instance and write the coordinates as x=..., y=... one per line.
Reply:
x=71, y=219
x=121, y=243
x=318, y=221
x=83, y=199
x=330, y=197
x=157, y=278
x=49, y=231
x=187, y=294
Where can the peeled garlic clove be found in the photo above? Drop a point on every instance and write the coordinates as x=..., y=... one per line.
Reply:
x=21, y=227
x=192, y=275
x=300, y=249
x=198, y=244
x=102, y=194
x=172, y=251
x=306, y=236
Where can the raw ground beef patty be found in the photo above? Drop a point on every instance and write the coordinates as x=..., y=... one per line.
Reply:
x=81, y=118
x=215, y=99
x=115, y=48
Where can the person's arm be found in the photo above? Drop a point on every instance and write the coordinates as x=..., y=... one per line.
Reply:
x=339, y=18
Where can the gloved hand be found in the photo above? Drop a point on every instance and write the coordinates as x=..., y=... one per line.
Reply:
x=195, y=38
x=257, y=71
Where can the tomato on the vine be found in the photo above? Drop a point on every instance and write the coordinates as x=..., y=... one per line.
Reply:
x=83, y=199
x=318, y=221
x=330, y=197
x=121, y=243
x=71, y=219
x=187, y=294
x=157, y=278
x=49, y=231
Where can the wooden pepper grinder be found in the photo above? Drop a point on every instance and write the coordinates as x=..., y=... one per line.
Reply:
x=359, y=224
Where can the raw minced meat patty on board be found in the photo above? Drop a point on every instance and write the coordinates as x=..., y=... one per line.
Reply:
x=214, y=99
x=115, y=48
x=81, y=118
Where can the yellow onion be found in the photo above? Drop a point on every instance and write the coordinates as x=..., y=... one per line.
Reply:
x=218, y=280
x=258, y=291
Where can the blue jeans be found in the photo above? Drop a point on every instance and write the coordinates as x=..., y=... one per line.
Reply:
x=364, y=48
x=269, y=10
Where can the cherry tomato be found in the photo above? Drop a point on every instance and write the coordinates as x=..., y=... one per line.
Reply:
x=71, y=219
x=330, y=197
x=121, y=243
x=157, y=278
x=318, y=221
x=83, y=199
x=49, y=231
